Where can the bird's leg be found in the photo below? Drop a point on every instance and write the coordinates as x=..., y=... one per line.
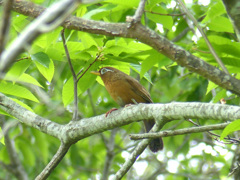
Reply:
x=111, y=110
x=134, y=102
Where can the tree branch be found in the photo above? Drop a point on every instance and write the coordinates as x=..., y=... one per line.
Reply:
x=77, y=130
x=63, y=149
x=179, y=131
x=140, y=10
x=138, y=150
x=145, y=35
x=75, y=80
x=29, y=118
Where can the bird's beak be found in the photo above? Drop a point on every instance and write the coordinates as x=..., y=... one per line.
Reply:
x=95, y=73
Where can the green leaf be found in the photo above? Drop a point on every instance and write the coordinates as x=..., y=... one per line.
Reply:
x=68, y=92
x=16, y=90
x=221, y=24
x=221, y=94
x=87, y=40
x=127, y=3
x=234, y=126
x=42, y=144
x=211, y=86
x=99, y=13
x=214, y=11
x=29, y=79
x=83, y=84
x=224, y=46
x=27, y=152
x=150, y=61
x=55, y=53
x=137, y=68
x=19, y=22
x=166, y=21
x=230, y=61
x=81, y=10
x=42, y=58
x=17, y=70
x=46, y=72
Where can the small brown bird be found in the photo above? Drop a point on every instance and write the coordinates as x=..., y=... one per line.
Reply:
x=126, y=90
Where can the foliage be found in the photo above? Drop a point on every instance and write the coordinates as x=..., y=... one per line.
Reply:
x=44, y=68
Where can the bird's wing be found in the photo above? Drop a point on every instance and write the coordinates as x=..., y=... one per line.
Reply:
x=139, y=90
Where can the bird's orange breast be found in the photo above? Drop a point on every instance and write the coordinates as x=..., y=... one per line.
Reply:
x=123, y=93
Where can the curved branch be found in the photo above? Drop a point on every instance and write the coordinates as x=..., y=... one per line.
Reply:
x=76, y=130
x=29, y=118
x=145, y=35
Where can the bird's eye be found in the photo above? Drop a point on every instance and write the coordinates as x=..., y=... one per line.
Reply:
x=104, y=70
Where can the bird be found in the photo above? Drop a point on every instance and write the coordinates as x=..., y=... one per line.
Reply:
x=125, y=90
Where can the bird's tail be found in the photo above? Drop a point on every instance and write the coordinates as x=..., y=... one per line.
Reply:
x=157, y=143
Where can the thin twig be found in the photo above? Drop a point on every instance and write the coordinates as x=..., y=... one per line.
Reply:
x=164, y=14
x=75, y=80
x=234, y=169
x=205, y=52
x=139, y=12
x=204, y=37
x=168, y=133
x=20, y=59
x=98, y=56
x=216, y=135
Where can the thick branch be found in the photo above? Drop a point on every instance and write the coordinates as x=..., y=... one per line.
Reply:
x=75, y=131
x=29, y=118
x=145, y=35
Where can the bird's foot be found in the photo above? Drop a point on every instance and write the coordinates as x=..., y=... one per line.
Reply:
x=127, y=105
x=111, y=110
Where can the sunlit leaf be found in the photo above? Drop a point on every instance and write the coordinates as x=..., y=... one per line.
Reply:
x=233, y=126
x=46, y=72
x=42, y=58
x=16, y=90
